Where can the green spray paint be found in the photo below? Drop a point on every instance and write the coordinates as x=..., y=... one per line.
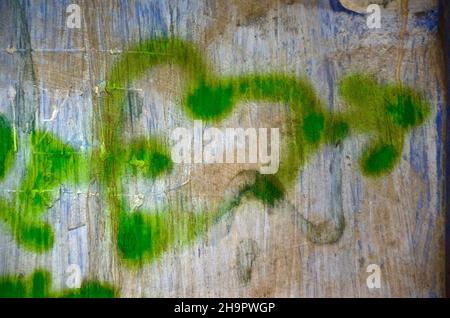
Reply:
x=38, y=285
x=143, y=235
x=51, y=163
x=212, y=97
x=386, y=113
x=6, y=146
x=149, y=158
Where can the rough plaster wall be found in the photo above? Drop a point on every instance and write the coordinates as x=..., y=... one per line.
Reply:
x=394, y=221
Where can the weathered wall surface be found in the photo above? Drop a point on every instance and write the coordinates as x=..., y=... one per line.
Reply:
x=52, y=78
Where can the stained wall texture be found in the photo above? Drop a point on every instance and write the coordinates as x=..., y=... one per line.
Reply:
x=87, y=182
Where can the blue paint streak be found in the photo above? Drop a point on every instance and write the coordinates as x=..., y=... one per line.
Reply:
x=440, y=141
x=444, y=10
x=338, y=7
x=428, y=20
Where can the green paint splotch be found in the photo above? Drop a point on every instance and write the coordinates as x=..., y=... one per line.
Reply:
x=146, y=235
x=38, y=285
x=266, y=188
x=149, y=158
x=6, y=146
x=384, y=112
x=51, y=163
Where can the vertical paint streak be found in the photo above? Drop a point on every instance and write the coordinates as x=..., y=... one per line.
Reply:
x=444, y=7
x=403, y=12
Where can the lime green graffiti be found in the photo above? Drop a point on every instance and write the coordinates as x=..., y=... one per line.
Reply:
x=38, y=285
x=51, y=163
x=143, y=236
x=385, y=113
x=149, y=158
x=6, y=146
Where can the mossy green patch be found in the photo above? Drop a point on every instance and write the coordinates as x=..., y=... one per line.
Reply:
x=51, y=163
x=149, y=157
x=387, y=113
x=404, y=108
x=338, y=131
x=6, y=146
x=11, y=287
x=279, y=88
x=38, y=285
x=361, y=90
x=313, y=126
x=380, y=159
x=37, y=237
x=142, y=236
x=210, y=101
x=266, y=188
x=91, y=289
x=136, y=237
